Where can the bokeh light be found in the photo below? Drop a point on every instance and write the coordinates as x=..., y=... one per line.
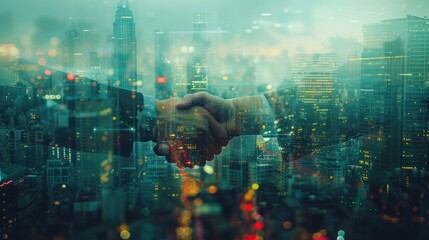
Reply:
x=125, y=234
x=255, y=186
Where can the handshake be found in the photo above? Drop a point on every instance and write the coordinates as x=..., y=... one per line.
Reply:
x=192, y=130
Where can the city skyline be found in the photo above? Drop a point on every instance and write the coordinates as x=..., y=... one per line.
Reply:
x=343, y=128
x=296, y=24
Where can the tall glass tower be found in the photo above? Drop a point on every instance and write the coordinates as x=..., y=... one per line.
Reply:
x=197, y=67
x=125, y=47
x=394, y=92
x=315, y=76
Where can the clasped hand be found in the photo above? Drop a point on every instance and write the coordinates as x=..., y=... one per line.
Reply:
x=188, y=135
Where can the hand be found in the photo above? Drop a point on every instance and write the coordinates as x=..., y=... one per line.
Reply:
x=187, y=137
x=222, y=110
x=239, y=116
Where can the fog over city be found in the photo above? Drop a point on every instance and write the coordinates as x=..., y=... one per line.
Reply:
x=297, y=26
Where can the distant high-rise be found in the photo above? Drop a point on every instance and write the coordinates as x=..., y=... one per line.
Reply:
x=394, y=93
x=315, y=76
x=197, y=66
x=162, y=66
x=4, y=147
x=125, y=47
x=59, y=185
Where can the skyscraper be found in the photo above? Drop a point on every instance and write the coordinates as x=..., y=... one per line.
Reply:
x=125, y=47
x=162, y=66
x=394, y=92
x=315, y=76
x=197, y=65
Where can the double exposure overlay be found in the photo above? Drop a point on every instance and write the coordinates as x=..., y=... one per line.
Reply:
x=215, y=119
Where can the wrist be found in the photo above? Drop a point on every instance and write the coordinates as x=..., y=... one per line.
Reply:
x=231, y=124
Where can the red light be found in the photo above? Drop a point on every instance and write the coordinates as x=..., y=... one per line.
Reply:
x=249, y=237
x=6, y=183
x=320, y=238
x=248, y=207
x=70, y=76
x=48, y=72
x=161, y=80
x=258, y=226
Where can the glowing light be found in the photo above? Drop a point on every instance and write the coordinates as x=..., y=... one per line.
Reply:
x=48, y=72
x=6, y=183
x=212, y=189
x=248, y=207
x=123, y=227
x=287, y=225
x=255, y=186
x=110, y=72
x=341, y=233
x=340, y=238
x=161, y=80
x=125, y=234
x=225, y=78
x=250, y=237
x=14, y=52
x=208, y=169
x=52, y=53
x=258, y=225
x=105, y=178
x=70, y=76
x=138, y=83
x=57, y=203
x=198, y=202
x=52, y=97
x=64, y=186
x=42, y=61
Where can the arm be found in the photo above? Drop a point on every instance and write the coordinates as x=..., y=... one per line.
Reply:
x=240, y=116
x=190, y=141
x=112, y=123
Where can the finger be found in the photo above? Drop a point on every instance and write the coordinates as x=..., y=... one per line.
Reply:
x=189, y=100
x=219, y=132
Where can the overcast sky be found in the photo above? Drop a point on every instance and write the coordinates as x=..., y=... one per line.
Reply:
x=295, y=25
